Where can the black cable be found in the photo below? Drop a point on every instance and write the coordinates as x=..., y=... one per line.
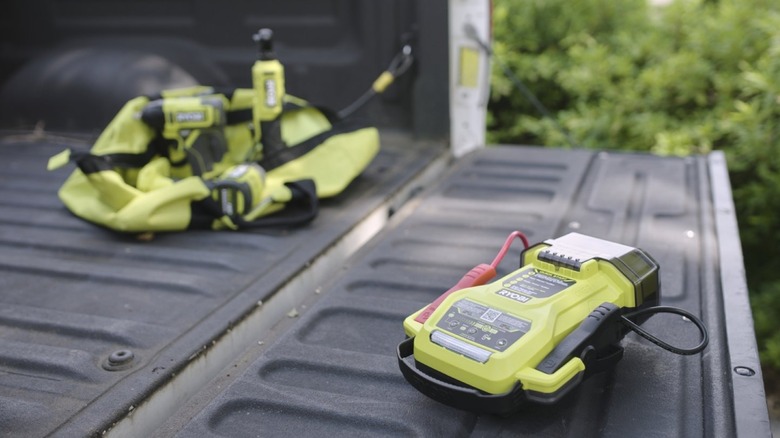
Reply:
x=666, y=309
x=471, y=32
x=357, y=104
x=398, y=66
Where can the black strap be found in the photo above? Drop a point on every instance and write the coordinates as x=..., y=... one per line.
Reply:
x=89, y=163
x=203, y=213
x=274, y=160
x=244, y=115
x=300, y=210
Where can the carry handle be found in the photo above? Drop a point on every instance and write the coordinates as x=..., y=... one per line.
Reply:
x=461, y=397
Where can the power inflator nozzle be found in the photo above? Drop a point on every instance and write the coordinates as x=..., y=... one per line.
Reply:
x=265, y=44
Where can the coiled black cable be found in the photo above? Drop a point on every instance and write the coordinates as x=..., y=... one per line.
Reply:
x=626, y=320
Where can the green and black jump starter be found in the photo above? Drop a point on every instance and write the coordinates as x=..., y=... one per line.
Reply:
x=534, y=334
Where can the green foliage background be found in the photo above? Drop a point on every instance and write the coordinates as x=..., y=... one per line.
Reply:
x=685, y=78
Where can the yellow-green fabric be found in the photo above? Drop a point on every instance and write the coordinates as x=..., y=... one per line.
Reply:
x=140, y=188
x=126, y=133
x=102, y=199
x=335, y=163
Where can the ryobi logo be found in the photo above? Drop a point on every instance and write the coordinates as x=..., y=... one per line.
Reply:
x=513, y=296
x=190, y=116
x=270, y=93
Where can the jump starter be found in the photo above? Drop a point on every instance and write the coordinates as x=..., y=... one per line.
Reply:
x=536, y=333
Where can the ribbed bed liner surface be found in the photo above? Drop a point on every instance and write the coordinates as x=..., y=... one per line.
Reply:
x=72, y=294
x=333, y=372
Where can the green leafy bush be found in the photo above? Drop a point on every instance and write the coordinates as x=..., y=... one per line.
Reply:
x=690, y=77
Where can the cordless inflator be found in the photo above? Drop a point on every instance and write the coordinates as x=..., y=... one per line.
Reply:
x=536, y=333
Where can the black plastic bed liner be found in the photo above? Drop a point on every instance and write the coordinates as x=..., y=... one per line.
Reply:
x=74, y=296
x=333, y=371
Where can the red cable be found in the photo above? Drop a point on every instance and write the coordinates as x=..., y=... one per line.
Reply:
x=477, y=276
x=507, y=244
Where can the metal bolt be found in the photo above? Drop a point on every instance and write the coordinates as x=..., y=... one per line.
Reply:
x=120, y=357
x=119, y=360
x=744, y=371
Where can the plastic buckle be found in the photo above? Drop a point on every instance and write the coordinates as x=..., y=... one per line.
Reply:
x=227, y=196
